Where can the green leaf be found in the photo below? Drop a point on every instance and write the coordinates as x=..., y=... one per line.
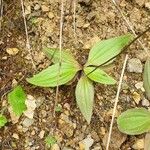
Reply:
x=146, y=78
x=49, y=76
x=54, y=54
x=50, y=141
x=16, y=99
x=3, y=120
x=107, y=49
x=85, y=97
x=134, y=121
x=99, y=75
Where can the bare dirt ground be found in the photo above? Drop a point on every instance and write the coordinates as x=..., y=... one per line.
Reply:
x=95, y=20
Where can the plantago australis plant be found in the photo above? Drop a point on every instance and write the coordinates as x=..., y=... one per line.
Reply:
x=100, y=54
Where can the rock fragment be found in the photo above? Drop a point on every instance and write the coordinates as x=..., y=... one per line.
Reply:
x=27, y=122
x=134, y=65
x=139, y=144
x=12, y=51
x=86, y=143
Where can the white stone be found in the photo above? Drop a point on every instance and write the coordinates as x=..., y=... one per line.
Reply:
x=37, y=7
x=15, y=135
x=145, y=102
x=27, y=122
x=139, y=85
x=134, y=65
x=31, y=106
x=86, y=143
x=41, y=134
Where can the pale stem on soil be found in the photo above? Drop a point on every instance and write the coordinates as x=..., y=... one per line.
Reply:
x=74, y=18
x=130, y=26
x=27, y=37
x=1, y=13
x=60, y=53
x=116, y=102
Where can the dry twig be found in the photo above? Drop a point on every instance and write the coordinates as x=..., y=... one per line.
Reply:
x=1, y=14
x=74, y=18
x=60, y=52
x=116, y=102
x=27, y=37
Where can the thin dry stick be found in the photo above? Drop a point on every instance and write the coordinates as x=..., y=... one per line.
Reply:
x=74, y=18
x=27, y=37
x=1, y=14
x=130, y=26
x=60, y=52
x=116, y=102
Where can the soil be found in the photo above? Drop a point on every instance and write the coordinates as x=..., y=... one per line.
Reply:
x=95, y=20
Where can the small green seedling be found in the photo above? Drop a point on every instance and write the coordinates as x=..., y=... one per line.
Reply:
x=100, y=54
x=58, y=108
x=3, y=120
x=134, y=121
x=50, y=141
x=16, y=99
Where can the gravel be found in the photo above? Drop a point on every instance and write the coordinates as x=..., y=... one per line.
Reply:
x=135, y=66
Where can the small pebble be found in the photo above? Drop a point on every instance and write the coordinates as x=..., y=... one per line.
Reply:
x=134, y=65
x=37, y=7
x=50, y=15
x=139, y=144
x=27, y=122
x=12, y=51
x=145, y=102
x=86, y=143
x=41, y=134
x=15, y=136
x=4, y=58
x=45, y=8
x=139, y=85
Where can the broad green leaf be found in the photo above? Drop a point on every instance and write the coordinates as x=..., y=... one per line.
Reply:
x=3, y=120
x=85, y=97
x=16, y=99
x=54, y=54
x=104, y=50
x=98, y=75
x=49, y=76
x=146, y=78
x=134, y=121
